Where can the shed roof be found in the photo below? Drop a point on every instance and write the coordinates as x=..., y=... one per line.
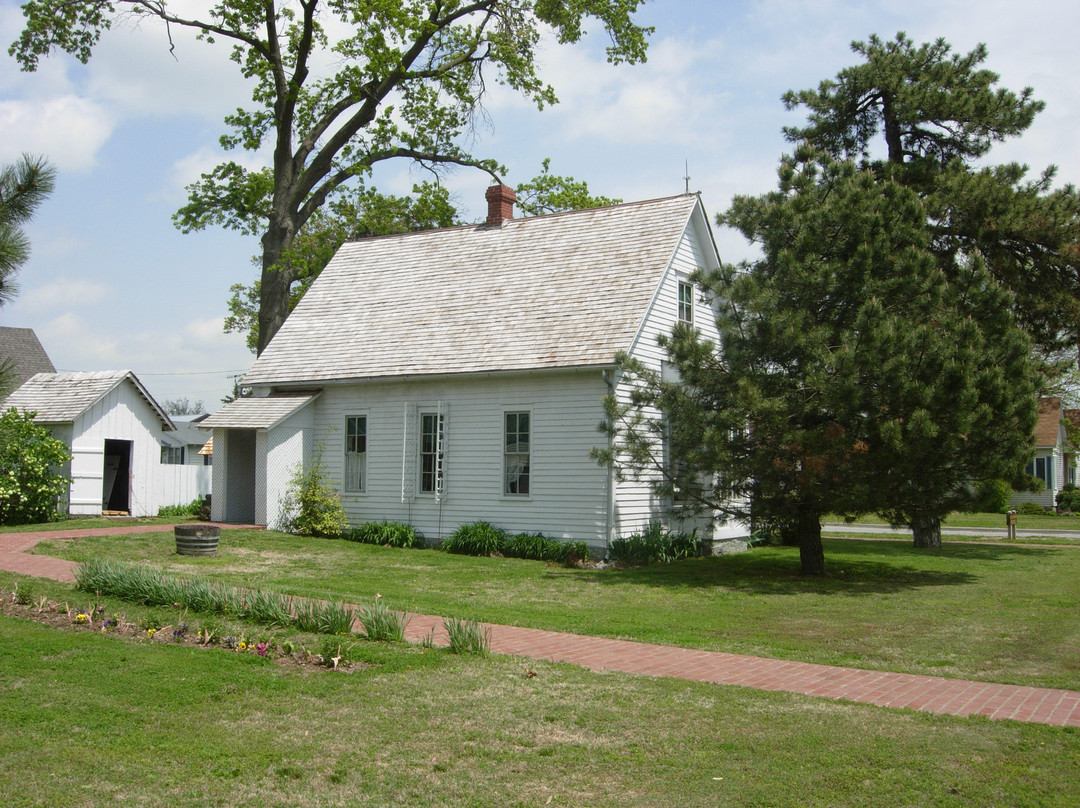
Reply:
x=23, y=350
x=259, y=413
x=63, y=397
x=565, y=290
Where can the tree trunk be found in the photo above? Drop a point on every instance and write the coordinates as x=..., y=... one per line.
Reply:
x=274, y=284
x=811, y=553
x=926, y=530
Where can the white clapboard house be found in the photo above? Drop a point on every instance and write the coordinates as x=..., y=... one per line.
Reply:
x=459, y=374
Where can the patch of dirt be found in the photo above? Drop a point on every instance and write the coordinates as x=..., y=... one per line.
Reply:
x=66, y=618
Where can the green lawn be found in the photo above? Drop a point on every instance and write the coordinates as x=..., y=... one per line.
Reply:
x=998, y=613
x=94, y=523
x=91, y=720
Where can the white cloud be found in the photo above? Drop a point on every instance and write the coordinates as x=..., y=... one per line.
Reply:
x=63, y=293
x=67, y=129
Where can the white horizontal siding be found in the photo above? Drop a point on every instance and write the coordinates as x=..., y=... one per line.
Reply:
x=568, y=488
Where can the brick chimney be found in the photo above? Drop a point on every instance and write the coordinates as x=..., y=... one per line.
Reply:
x=500, y=199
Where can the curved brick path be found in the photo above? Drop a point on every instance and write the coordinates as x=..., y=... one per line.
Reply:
x=928, y=693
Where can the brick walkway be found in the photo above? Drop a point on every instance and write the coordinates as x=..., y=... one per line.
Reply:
x=927, y=693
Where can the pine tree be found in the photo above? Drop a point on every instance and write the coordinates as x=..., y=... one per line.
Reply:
x=23, y=187
x=849, y=361
x=925, y=115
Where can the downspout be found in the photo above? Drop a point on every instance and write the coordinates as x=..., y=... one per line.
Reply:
x=609, y=518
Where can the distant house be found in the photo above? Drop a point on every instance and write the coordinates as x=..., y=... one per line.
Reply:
x=1054, y=461
x=113, y=427
x=21, y=356
x=459, y=374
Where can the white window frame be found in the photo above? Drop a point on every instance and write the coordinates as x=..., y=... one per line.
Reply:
x=169, y=455
x=686, y=302
x=437, y=454
x=351, y=440
x=516, y=413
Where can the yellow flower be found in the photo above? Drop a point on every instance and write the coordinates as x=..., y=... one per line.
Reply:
x=81, y=618
x=242, y=646
x=150, y=632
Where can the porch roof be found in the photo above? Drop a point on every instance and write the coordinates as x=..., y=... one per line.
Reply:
x=258, y=413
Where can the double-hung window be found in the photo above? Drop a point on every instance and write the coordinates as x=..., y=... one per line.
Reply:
x=1043, y=469
x=355, y=453
x=516, y=454
x=431, y=452
x=686, y=303
x=172, y=455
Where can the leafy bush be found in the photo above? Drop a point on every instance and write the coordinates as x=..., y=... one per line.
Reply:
x=386, y=534
x=1032, y=509
x=476, y=539
x=538, y=547
x=174, y=511
x=992, y=496
x=1068, y=499
x=30, y=485
x=657, y=544
x=311, y=506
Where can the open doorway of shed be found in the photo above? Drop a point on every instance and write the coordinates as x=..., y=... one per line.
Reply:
x=116, y=485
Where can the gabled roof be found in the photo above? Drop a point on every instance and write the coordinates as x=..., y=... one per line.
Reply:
x=21, y=348
x=63, y=397
x=559, y=291
x=259, y=413
x=185, y=434
x=1048, y=425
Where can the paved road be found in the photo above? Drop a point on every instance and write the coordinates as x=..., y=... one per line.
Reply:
x=988, y=532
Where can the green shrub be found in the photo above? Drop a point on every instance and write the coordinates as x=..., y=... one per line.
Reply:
x=1032, y=509
x=476, y=539
x=175, y=511
x=657, y=544
x=31, y=488
x=538, y=547
x=466, y=636
x=1068, y=499
x=992, y=496
x=386, y=534
x=311, y=505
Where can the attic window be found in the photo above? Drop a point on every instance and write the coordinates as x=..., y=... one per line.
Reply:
x=686, y=303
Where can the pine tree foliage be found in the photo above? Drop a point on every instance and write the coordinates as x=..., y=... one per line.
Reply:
x=928, y=116
x=854, y=372
x=408, y=81
x=23, y=187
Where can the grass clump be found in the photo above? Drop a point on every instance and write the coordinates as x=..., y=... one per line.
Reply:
x=467, y=636
x=386, y=534
x=476, y=539
x=152, y=588
x=656, y=544
x=382, y=623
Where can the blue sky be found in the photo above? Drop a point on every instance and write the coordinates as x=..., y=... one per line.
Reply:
x=112, y=284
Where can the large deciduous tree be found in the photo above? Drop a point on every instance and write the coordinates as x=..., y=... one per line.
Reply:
x=926, y=115
x=854, y=372
x=407, y=81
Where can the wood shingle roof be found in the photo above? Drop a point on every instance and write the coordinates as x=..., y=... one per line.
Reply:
x=63, y=397
x=559, y=291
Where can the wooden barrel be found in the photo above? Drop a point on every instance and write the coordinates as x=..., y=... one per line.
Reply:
x=197, y=540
